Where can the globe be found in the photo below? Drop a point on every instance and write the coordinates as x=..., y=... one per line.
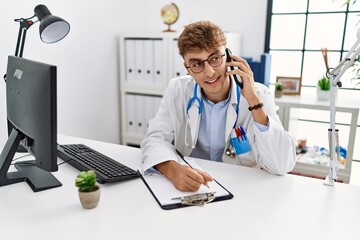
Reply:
x=169, y=15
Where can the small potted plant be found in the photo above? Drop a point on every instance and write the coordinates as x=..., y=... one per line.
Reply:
x=89, y=192
x=278, y=89
x=323, y=89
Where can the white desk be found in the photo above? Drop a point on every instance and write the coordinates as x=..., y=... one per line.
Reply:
x=264, y=207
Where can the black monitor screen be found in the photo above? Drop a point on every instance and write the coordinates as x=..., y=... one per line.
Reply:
x=32, y=114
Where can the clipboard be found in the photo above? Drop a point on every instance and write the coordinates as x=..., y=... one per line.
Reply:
x=168, y=197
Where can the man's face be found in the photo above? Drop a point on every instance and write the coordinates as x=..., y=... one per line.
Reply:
x=212, y=79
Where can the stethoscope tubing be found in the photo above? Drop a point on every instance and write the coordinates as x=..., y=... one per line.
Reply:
x=195, y=98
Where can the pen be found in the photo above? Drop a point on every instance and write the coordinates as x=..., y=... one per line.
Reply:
x=243, y=132
x=182, y=157
x=239, y=133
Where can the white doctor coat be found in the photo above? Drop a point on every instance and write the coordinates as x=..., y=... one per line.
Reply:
x=272, y=150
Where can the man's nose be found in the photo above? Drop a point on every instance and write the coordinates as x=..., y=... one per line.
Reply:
x=208, y=69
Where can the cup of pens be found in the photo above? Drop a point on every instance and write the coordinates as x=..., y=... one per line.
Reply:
x=240, y=141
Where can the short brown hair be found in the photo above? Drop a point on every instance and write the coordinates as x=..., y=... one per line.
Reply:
x=201, y=35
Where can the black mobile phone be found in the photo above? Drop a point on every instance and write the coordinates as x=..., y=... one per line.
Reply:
x=228, y=59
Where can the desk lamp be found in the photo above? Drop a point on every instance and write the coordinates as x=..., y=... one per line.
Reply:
x=334, y=75
x=52, y=28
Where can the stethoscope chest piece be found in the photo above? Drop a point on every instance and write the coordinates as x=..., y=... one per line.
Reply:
x=230, y=151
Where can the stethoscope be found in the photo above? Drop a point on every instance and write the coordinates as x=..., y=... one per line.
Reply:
x=193, y=129
x=193, y=114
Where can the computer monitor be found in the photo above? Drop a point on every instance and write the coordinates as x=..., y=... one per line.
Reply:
x=31, y=97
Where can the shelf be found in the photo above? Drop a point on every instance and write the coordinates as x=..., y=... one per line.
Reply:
x=156, y=91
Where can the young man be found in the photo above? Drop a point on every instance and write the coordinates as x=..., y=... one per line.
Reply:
x=207, y=115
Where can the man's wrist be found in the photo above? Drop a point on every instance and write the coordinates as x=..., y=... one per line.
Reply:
x=167, y=168
x=256, y=106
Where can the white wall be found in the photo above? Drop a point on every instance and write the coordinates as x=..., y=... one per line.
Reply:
x=87, y=59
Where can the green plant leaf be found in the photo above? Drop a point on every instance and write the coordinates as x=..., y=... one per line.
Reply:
x=86, y=181
x=324, y=84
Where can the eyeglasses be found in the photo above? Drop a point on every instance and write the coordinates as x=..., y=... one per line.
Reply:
x=214, y=61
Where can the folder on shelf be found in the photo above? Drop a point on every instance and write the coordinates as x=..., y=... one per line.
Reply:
x=168, y=197
x=158, y=61
x=139, y=60
x=148, y=61
x=130, y=60
x=150, y=108
x=131, y=119
x=178, y=62
x=140, y=117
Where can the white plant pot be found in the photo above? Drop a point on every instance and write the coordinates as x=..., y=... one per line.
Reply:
x=90, y=200
x=323, y=95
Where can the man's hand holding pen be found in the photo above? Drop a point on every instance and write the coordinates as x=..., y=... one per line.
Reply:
x=184, y=177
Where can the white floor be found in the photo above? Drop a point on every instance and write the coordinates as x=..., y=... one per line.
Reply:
x=355, y=174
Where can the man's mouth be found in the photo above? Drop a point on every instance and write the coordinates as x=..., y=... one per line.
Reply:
x=212, y=81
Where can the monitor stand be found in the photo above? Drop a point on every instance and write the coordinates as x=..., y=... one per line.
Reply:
x=37, y=178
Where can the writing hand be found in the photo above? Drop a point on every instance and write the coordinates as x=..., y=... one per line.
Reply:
x=184, y=177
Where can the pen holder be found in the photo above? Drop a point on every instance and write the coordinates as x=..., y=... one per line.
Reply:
x=241, y=145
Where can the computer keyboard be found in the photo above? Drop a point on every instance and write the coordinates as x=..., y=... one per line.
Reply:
x=84, y=158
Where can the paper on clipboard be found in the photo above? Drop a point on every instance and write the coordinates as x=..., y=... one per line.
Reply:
x=164, y=191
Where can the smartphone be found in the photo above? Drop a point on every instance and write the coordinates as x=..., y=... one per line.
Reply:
x=228, y=59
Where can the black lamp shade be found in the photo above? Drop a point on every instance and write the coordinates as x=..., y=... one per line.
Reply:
x=52, y=28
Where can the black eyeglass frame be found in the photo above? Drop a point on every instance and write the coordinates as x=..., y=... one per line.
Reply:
x=207, y=60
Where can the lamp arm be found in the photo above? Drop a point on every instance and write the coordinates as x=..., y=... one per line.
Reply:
x=347, y=62
x=20, y=42
x=335, y=75
x=25, y=24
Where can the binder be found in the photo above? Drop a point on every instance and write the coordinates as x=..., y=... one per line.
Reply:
x=148, y=61
x=178, y=62
x=158, y=61
x=168, y=197
x=130, y=113
x=148, y=111
x=139, y=60
x=140, y=117
x=130, y=60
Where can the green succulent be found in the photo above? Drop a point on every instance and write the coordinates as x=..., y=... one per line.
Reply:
x=278, y=86
x=324, y=84
x=86, y=181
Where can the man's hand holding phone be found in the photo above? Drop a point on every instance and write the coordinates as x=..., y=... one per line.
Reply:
x=229, y=59
x=243, y=75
